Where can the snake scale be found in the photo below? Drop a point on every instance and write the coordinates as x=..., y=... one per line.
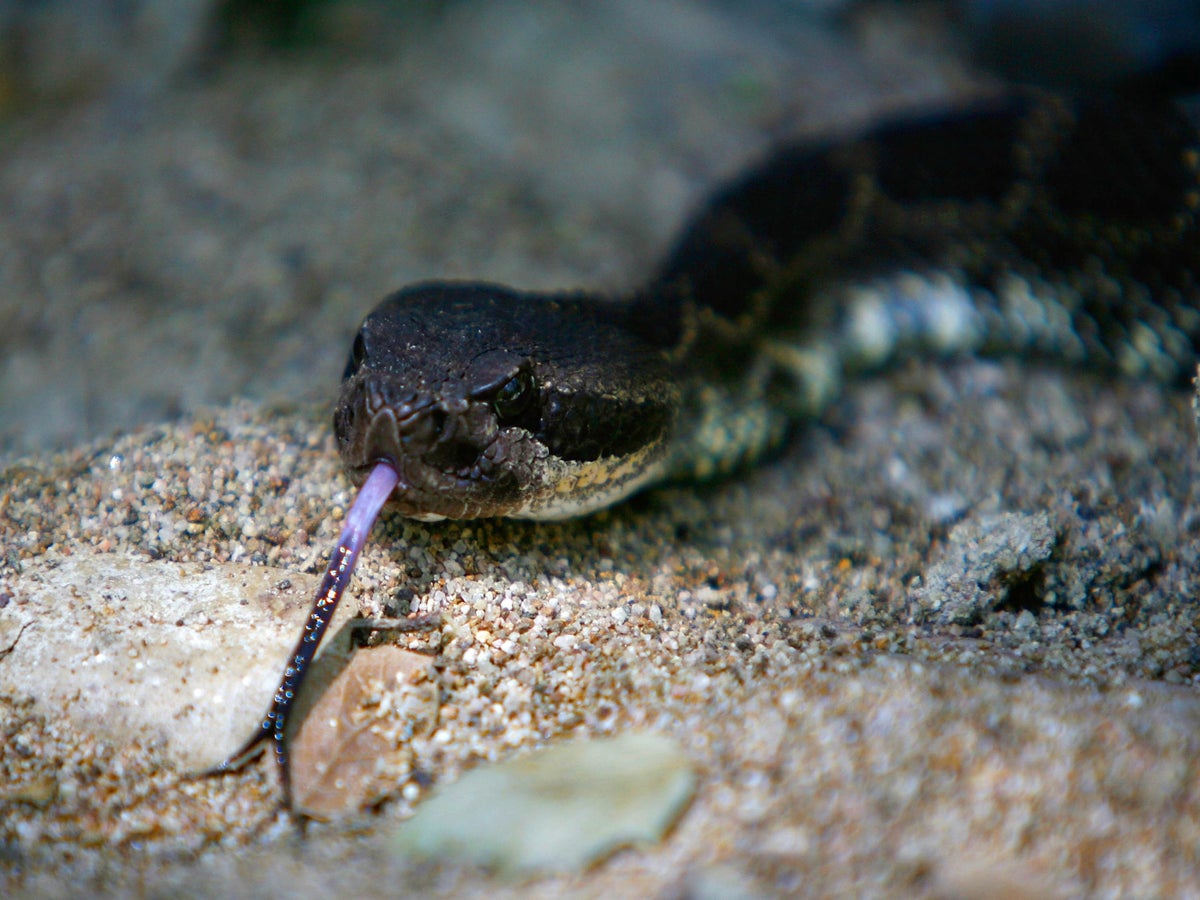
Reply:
x=1023, y=224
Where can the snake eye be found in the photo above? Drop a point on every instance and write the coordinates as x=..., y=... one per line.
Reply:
x=514, y=397
x=358, y=355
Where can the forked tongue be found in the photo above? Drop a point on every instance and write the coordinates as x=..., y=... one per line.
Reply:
x=359, y=520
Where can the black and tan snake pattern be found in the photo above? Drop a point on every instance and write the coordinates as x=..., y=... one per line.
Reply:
x=1025, y=224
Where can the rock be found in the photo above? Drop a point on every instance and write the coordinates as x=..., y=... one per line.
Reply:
x=561, y=808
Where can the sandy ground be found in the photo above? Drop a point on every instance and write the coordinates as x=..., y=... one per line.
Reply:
x=943, y=645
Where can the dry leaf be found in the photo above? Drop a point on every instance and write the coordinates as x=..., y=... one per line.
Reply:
x=351, y=749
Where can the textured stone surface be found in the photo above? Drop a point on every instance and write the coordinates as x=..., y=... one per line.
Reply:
x=184, y=656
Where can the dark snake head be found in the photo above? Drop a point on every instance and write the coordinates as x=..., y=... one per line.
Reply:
x=489, y=402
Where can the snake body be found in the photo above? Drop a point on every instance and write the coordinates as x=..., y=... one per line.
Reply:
x=1025, y=224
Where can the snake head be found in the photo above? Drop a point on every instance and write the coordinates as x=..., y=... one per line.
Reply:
x=489, y=402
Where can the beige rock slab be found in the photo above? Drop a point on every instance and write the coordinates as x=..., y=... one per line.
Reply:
x=184, y=655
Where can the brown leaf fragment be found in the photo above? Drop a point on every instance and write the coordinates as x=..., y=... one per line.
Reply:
x=351, y=750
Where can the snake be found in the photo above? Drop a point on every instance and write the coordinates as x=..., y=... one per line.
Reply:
x=1024, y=223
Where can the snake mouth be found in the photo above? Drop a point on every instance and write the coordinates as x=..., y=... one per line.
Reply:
x=430, y=494
x=450, y=456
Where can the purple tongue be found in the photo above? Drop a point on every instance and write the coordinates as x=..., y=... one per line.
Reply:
x=365, y=509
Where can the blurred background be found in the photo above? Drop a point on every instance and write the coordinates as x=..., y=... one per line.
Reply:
x=200, y=199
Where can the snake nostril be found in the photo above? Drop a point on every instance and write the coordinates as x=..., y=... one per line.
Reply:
x=423, y=431
x=437, y=422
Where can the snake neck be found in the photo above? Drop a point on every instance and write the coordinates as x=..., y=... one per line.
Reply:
x=1027, y=225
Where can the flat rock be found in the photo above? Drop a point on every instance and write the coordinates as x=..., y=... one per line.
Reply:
x=184, y=656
